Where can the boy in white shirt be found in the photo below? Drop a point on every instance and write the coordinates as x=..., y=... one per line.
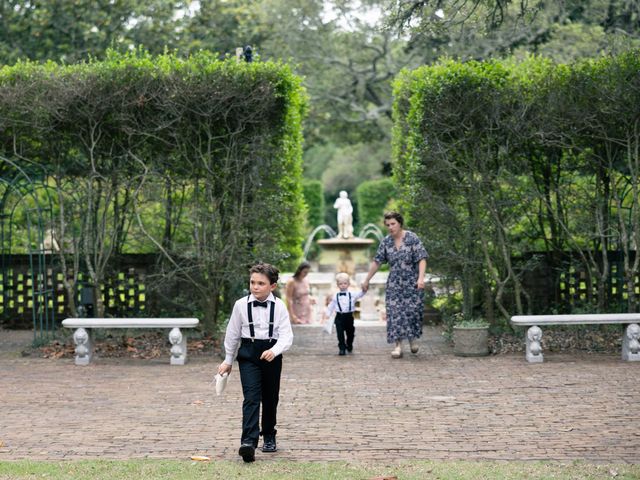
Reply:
x=344, y=304
x=259, y=331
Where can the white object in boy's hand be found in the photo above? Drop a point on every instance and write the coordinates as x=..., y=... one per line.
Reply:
x=328, y=324
x=221, y=382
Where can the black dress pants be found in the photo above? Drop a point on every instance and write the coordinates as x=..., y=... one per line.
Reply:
x=345, y=330
x=260, y=385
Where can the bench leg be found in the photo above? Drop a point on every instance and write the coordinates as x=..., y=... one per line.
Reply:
x=631, y=343
x=534, y=348
x=84, y=346
x=178, y=347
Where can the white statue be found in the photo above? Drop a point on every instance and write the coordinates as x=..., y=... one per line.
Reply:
x=345, y=215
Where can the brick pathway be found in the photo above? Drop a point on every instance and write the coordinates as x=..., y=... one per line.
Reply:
x=364, y=406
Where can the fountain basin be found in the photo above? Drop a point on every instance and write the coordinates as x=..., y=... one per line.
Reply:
x=344, y=255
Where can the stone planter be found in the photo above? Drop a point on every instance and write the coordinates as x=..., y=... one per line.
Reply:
x=471, y=341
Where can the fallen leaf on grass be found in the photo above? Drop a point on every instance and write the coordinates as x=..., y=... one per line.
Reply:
x=200, y=458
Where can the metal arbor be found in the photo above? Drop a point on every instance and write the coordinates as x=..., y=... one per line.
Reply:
x=26, y=214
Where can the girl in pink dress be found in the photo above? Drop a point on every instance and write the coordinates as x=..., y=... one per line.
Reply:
x=299, y=300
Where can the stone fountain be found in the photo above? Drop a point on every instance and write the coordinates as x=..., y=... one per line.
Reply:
x=344, y=252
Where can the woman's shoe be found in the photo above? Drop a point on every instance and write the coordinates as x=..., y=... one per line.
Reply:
x=397, y=352
x=414, y=345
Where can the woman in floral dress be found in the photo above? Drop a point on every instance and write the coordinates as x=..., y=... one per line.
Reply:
x=404, y=298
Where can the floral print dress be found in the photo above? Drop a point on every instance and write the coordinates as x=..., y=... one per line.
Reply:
x=404, y=302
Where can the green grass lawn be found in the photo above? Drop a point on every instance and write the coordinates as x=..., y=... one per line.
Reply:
x=263, y=470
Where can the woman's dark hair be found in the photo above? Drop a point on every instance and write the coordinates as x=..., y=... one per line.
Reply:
x=300, y=268
x=271, y=272
x=396, y=216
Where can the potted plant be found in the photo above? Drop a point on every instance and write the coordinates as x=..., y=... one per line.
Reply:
x=471, y=338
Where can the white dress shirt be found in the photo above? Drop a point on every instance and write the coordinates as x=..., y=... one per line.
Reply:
x=238, y=326
x=345, y=305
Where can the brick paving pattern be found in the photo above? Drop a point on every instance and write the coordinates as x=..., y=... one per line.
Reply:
x=364, y=406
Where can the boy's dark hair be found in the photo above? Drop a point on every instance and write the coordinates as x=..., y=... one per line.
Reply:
x=396, y=216
x=271, y=272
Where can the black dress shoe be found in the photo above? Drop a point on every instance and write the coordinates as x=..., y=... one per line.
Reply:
x=342, y=352
x=349, y=348
x=269, y=444
x=247, y=452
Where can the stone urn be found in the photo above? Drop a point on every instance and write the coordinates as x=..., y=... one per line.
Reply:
x=471, y=339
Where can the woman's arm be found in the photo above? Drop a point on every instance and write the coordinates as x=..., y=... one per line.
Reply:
x=289, y=289
x=312, y=299
x=372, y=270
x=422, y=267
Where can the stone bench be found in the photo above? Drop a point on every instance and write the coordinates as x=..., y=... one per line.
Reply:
x=630, y=343
x=84, y=344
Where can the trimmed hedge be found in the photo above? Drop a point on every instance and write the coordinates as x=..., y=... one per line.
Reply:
x=314, y=199
x=495, y=160
x=373, y=198
x=197, y=158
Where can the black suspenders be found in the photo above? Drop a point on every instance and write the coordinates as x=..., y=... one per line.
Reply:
x=338, y=301
x=272, y=312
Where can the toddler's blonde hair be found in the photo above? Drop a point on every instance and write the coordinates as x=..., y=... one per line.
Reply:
x=342, y=276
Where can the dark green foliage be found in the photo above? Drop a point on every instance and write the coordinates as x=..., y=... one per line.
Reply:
x=197, y=158
x=496, y=159
x=373, y=197
x=313, y=197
